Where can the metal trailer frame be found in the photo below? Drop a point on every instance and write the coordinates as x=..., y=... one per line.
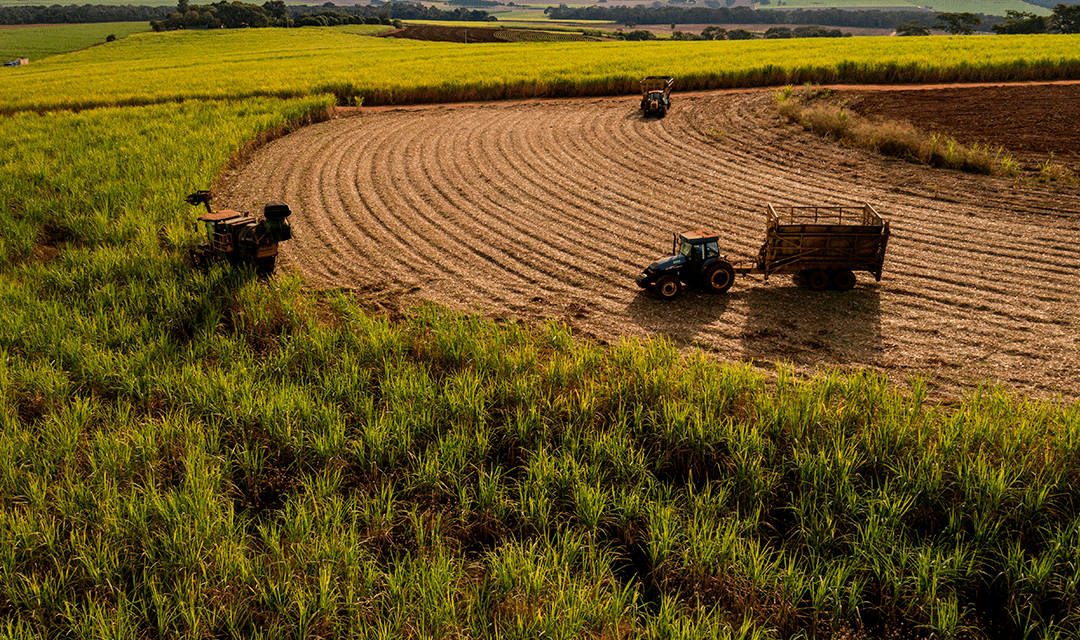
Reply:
x=656, y=83
x=799, y=239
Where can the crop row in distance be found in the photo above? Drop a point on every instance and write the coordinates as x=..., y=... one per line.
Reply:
x=160, y=67
x=39, y=42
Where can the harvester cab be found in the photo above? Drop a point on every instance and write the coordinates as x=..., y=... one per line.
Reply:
x=656, y=95
x=239, y=238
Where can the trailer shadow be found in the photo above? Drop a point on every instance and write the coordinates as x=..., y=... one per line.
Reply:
x=813, y=328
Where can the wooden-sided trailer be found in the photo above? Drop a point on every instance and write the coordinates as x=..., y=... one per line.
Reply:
x=822, y=247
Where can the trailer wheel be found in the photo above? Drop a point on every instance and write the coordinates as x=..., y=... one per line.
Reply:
x=842, y=279
x=719, y=277
x=668, y=287
x=815, y=279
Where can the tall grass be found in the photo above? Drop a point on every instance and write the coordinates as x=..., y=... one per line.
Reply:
x=812, y=108
x=188, y=454
x=162, y=67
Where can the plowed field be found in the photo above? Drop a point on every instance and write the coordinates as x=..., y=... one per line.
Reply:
x=549, y=209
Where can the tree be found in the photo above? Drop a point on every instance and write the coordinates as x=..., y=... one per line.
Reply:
x=912, y=28
x=958, y=24
x=713, y=33
x=1021, y=22
x=740, y=34
x=777, y=32
x=1066, y=19
x=182, y=7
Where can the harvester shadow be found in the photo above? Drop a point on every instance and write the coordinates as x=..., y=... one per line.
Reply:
x=786, y=323
x=680, y=320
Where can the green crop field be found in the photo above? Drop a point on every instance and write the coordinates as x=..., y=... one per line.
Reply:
x=39, y=42
x=150, y=68
x=190, y=454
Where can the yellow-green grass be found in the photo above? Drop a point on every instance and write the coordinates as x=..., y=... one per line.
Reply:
x=187, y=454
x=38, y=42
x=364, y=29
x=160, y=67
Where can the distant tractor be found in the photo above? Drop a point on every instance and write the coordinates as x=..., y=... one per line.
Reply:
x=821, y=247
x=656, y=95
x=239, y=238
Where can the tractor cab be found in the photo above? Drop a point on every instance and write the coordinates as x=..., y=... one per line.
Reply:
x=695, y=258
x=696, y=246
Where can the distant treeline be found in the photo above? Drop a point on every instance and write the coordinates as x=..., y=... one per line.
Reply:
x=230, y=14
x=866, y=18
x=85, y=14
x=274, y=13
x=393, y=11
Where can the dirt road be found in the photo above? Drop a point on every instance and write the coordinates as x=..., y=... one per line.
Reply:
x=538, y=210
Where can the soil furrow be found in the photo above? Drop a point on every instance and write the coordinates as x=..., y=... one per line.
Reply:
x=548, y=210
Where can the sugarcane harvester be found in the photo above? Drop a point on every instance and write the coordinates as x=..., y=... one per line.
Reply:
x=238, y=238
x=821, y=247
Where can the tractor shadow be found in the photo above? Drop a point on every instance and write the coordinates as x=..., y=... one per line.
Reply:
x=785, y=323
x=682, y=319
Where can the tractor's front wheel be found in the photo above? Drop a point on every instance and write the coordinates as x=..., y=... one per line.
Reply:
x=668, y=287
x=719, y=277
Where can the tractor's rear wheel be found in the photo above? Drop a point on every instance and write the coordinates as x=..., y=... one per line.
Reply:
x=842, y=279
x=668, y=287
x=816, y=279
x=719, y=277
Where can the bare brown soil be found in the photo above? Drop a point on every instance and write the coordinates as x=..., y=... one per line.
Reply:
x=549, y=209
x=1031, y=121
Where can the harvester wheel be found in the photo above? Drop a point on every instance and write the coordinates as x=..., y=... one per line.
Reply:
x=198, y=259
x=668, y=287
x=719, y=277
x=265, y=266
x=816, y=279
x=842, y=279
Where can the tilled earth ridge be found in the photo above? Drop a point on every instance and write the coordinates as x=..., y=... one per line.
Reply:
x=549, y=209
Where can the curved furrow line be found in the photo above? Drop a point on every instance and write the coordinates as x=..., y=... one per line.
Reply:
x=542, y=215
x=622, y=172
x=570, y=210
x=313, y=233
x=350, y=200
x=518, y=223
x=487, y=206
x=456, y=176
x=394, y=208
x=591, y=200
x=952, y=257
x=368, y=220
x=472, y=254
